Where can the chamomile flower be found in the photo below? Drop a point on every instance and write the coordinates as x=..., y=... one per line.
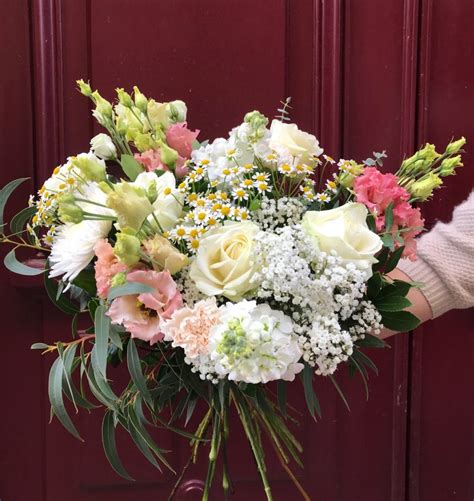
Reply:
x=262, y=186
x=240, y=194
x=247, y=184
x=331, y=185
x=329, y=159
x=286, y=169
x=323, y=198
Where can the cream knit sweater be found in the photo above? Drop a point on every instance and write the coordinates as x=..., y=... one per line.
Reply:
x=445, y=263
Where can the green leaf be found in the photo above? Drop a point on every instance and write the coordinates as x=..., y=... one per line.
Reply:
x=12, y=263
x=341, y=394
x=100, y=350
x=60, y=301
x=371, y=342
x=86, y=281
x=39, y=346
x=115, y=336
x=392, y=303
x=401, y=321
x=381, y=259
x=5, y=193
x=389, y=217
x=364, y=360
x=55, y=391
x=131, y=167
x=110, y=446
x=255, y=204
x=128, y=289
x=388, y=241
x=135, y=369
x=281, y=394
x=393, y=260
x=397, y=288
x=311, y=399
x=18, y=222
x=374, y=285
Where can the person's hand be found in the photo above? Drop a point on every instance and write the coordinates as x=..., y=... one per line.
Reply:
x=419, y=305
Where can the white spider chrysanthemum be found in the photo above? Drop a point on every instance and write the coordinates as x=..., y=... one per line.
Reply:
x=73, y=247
x=73, y=244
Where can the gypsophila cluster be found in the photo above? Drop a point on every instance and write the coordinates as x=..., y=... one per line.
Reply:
x=281, y=212
x=317, y=290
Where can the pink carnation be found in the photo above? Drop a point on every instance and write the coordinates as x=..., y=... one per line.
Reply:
x=143, y=314
x=106, y=267
x=151, y=160
x=376, y=191
x=179, y=137
x=189, y=327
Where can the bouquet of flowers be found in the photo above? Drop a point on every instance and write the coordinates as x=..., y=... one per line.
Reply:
x=211, y=269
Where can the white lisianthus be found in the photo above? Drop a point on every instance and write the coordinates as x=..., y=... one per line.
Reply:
x=168, y=205
x=254, y=344
x=344, y=230
x=103, y=147
x=288, y=138
x=224, y=263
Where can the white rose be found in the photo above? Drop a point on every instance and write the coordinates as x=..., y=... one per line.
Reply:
x=103, y=146
x=345, y=231
x=224, y=262
x=289, y=138
x=169, y=202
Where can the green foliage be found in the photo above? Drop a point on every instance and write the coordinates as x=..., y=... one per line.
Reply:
x=11, y=262
x=130, y=166
x=5, y=193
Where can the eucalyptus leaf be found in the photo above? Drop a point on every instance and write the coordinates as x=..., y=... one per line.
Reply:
x=18, y=222
x=11, y=262
x=128, y=289
x=5, y=193
x=102, y=328
x=110, y=446
x=134, y=367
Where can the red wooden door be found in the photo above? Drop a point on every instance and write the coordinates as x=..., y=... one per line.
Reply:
x=364, y=75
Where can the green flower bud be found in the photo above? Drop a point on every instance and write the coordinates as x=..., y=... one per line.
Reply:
x=105, y=187
x=141, y=102
x=130, y=204
x=449, y=164
x=152, y=192
x=455, y=146
x=91, y=167
x=124, y=98
x=168, y=155
x=118, y=279
x=423, y=188
x=257, y=122
x=127, y=248
x=144, y=141
x=68, y=211
x=103, y=108
x=84, y=88
x=177, y=111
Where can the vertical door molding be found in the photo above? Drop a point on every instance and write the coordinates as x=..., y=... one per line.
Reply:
x=47, y=85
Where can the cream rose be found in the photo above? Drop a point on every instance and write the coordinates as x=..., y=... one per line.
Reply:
x=297, y=142
x=345, y=231
x=168, y=206
x=224, y=261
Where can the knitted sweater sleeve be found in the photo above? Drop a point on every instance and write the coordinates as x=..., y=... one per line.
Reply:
x=445, y=263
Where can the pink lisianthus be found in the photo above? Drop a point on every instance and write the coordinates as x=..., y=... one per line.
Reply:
x=151, y=160
x=143, y=314
x=106, y=267
x=376, y=191
x=180, y=138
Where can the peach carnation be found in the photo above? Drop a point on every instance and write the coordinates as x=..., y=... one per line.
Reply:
x=189, y=328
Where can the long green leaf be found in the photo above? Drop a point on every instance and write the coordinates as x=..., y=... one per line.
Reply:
x=392, y=303
x=55, y=391
x=134, y=367
x=128, y=289
x=102, y=328
x=18, y=222
x=110, y=446
x=12, y=263
x=5, y=193
x=311, y=399
x=401, y=321
x=62, y=302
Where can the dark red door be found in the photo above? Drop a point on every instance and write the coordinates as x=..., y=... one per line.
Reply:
x=364, y=76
